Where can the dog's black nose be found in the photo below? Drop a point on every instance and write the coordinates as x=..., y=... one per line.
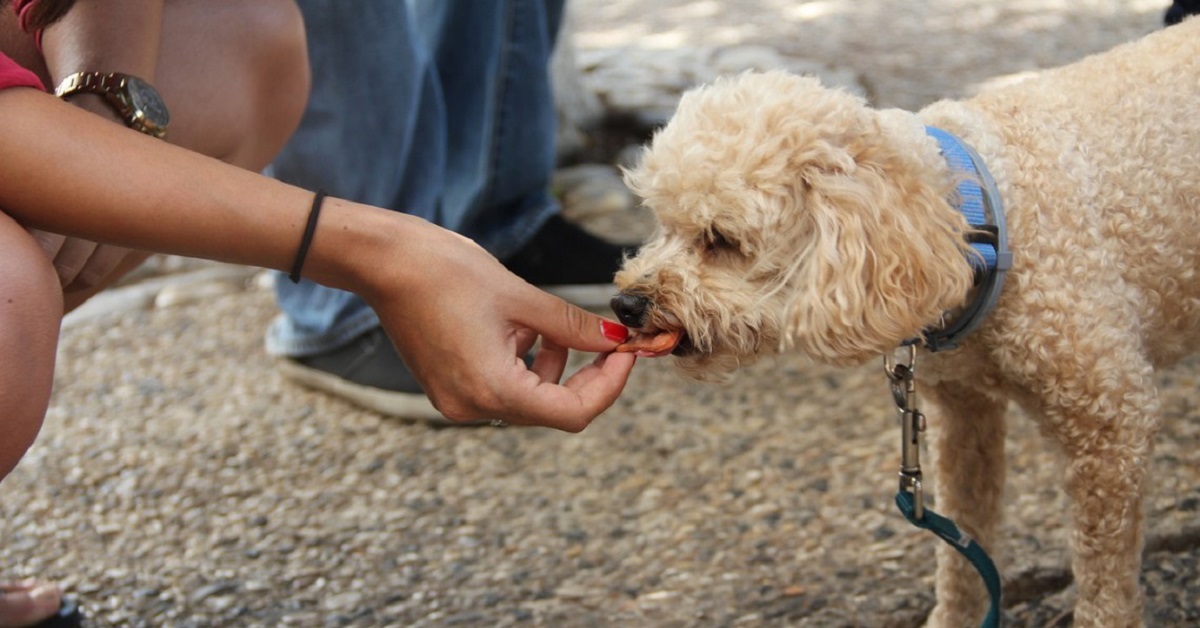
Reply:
x=630, y=308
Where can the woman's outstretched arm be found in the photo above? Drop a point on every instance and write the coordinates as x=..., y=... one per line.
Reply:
x=460, y=320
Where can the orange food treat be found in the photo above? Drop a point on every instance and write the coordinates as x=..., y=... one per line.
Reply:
x=660, y=344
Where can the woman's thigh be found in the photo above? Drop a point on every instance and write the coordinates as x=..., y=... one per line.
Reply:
x=234, y=74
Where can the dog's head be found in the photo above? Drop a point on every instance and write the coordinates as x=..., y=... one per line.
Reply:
x=791, y=216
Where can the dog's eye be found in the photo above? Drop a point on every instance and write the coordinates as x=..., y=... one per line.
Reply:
x=717, y=242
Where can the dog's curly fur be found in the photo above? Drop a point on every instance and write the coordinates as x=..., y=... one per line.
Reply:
x=795, y=217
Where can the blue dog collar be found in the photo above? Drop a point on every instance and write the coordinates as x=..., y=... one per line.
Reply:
x=979, y=201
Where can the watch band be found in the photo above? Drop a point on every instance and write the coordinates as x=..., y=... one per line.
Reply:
x=113, y=86
x=90, y=83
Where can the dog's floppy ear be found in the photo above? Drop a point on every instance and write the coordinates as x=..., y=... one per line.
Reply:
x=881, y=257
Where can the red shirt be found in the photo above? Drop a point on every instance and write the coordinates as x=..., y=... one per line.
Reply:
x=13, y=75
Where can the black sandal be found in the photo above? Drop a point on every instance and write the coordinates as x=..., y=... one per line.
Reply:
x=69, y=615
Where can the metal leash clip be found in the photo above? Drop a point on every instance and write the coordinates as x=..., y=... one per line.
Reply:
x=912, y=424
x=910, y=499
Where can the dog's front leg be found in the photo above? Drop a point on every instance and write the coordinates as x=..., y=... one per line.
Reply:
x=1108, y=443
x=968, y=437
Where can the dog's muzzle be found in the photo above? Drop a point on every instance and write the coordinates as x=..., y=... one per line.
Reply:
x=631, y=309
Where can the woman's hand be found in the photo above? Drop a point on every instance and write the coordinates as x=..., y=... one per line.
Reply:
x=82, y=265
x=463, y=324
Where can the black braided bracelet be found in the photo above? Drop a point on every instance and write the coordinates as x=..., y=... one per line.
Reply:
x=306, y=241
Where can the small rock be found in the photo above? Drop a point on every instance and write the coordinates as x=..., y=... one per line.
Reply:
x=215, y=589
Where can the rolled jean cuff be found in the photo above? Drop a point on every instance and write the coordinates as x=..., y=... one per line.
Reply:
x=286, y=339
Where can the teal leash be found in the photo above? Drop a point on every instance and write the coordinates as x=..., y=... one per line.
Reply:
x=910, y=499
x=948, y=532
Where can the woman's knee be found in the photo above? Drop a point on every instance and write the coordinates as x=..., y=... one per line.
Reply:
x=31, y=306
x=235, y=75
x=274, y=34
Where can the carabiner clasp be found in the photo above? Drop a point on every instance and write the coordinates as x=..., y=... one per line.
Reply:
x=912, y=424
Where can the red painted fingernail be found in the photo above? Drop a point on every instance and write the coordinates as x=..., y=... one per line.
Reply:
x=614, y=331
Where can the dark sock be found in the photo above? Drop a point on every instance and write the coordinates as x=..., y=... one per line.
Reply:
x=563, y=253
x=1181, y=9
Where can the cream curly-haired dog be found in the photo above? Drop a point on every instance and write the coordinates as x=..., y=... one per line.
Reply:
x=796, y=218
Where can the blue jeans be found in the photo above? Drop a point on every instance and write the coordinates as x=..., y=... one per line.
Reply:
x=439, y=108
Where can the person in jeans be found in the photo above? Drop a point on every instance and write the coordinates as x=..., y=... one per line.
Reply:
x=442, y=109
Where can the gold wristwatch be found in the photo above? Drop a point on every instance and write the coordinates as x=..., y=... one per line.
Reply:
x=135, y=101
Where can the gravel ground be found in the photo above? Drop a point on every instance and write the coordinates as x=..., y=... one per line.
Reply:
x=180, y=481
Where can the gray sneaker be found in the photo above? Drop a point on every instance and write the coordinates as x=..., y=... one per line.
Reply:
x=369, y=373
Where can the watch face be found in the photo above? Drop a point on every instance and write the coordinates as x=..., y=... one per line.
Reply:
x=147, y=101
